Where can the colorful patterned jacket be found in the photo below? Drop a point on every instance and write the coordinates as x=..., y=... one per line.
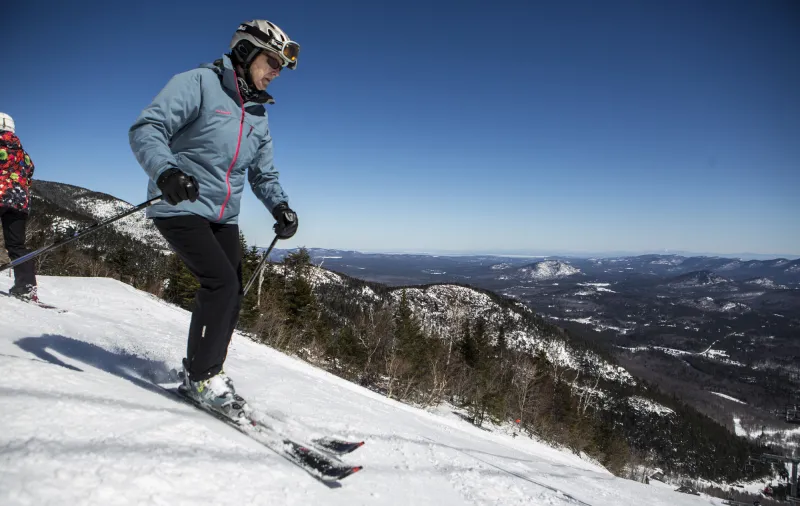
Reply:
x=16, y=172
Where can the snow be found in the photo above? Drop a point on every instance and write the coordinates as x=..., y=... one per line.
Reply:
x=62, y=224
x=81, y=423
x=600, y=287
x=787, y=438
x=587, y=320
x=442, y=307
x=734, y=306
x=766, y=283
x=667, y=261
x=708, y=304
x=721, y=356
x=718, y=355
x=368, y=292
x=317, y=275
x=697, y=279
x=734, y=399
x=737, y=427
x=643, y=404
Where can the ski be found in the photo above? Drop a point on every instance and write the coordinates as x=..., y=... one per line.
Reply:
x=327, y=444
x=335, y=446
x=325, y=468
x=34, y=302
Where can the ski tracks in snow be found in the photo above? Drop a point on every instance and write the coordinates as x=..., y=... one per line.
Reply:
x=481, y=482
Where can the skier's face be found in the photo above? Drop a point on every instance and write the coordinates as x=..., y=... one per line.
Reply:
x=265, y=67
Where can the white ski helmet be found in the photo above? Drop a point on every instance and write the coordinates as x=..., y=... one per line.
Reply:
x=257, y=35
x=6, y=122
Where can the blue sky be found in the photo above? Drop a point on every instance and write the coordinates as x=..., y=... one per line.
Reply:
x=577, y=126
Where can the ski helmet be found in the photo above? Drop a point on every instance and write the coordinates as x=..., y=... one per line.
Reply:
x=6, y=122
x=258, y=35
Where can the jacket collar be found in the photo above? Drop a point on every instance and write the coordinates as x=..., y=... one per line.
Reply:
x=224, y=68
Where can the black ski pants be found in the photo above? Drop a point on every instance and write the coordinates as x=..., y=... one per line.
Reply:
x=14, y=223
x=212, y=253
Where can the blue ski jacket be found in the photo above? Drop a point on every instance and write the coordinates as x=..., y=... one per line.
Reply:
x=200, y=124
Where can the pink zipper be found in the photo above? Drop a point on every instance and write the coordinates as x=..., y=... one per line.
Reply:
x=235, y=156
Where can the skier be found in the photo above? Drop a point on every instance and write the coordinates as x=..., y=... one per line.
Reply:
x=16, y=172
x=198, y=137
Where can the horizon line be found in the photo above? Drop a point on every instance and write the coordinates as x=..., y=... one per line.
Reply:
x=565, y=253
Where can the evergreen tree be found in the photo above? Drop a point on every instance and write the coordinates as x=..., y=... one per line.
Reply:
x=468, y=347
x=250, y=303
x=409, y=335
x=500, y=344
x=181, y=284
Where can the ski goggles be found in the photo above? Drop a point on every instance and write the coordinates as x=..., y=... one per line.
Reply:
x=288, y=51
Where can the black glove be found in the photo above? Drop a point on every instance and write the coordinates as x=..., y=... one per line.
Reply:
x=287, y=221
x=176, y=186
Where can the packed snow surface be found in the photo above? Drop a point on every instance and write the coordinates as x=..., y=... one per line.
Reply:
x=81, y=423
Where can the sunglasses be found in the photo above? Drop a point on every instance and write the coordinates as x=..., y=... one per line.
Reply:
x=273, y=62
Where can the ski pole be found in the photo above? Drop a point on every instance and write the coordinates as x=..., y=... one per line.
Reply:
x=260, y=266
x=76, y=235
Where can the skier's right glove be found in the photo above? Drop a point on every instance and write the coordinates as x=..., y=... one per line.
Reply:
x=176, y=186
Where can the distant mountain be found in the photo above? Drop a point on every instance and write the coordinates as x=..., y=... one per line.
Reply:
x=399, y=269
x=709, y=304
x=545, y=270
x=765, y=283
x=697, y=279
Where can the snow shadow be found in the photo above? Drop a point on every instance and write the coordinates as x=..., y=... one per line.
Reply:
x=143, y=372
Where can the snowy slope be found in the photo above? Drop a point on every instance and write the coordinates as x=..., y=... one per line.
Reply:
x=443, y=307
x=77, y=207
x=136, y=226
x=81, y=423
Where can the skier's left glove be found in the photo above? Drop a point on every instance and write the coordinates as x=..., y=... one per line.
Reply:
x=286, y=219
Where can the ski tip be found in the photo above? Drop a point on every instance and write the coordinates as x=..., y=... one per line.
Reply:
x=356, y=469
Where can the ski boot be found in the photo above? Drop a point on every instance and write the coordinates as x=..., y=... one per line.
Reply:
x=24, y=292
x=216, y=394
